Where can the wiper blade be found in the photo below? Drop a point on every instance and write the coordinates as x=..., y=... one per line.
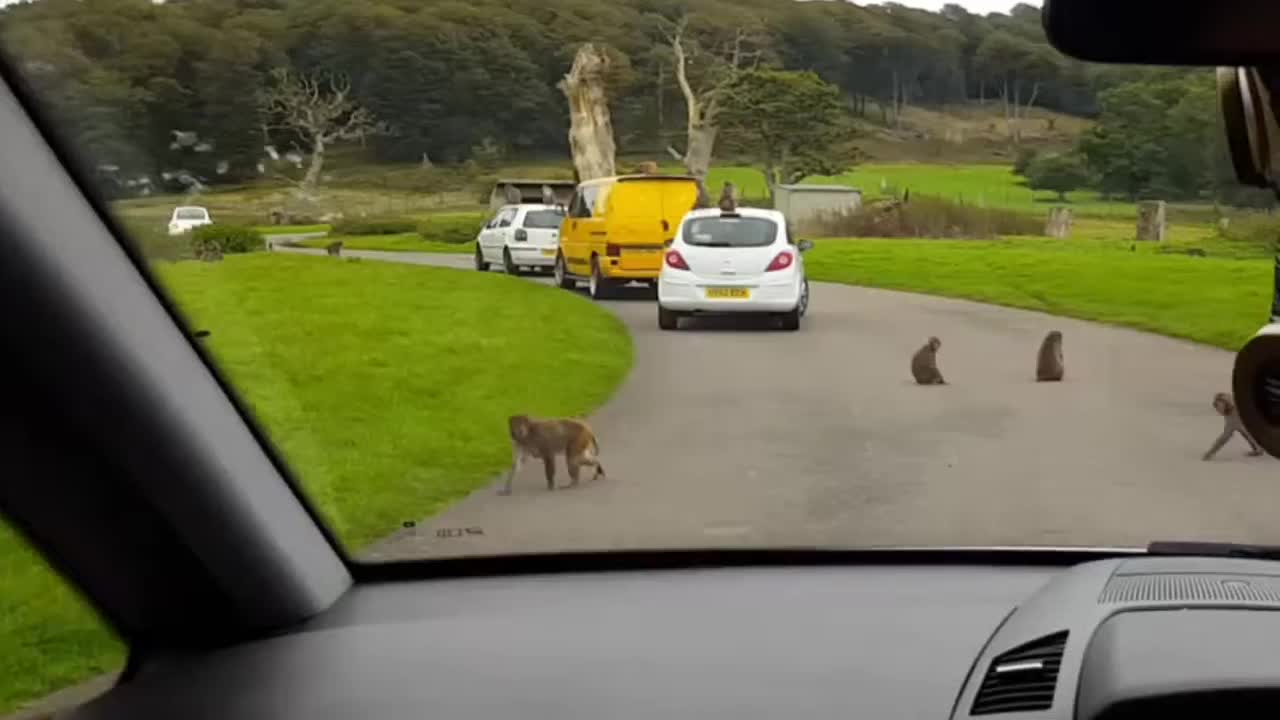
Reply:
x=1214, y=549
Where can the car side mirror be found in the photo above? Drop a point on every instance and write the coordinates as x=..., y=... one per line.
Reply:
x=805, y=245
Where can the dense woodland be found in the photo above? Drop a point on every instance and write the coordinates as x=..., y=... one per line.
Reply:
x=145, y=89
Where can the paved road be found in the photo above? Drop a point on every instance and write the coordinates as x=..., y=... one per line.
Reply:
x=733, y=435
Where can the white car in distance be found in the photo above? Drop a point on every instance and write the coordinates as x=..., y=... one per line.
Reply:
x=185, y=218
x=739, y=261
x=520, y=236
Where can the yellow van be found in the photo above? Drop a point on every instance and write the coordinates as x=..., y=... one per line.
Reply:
x=616, y=228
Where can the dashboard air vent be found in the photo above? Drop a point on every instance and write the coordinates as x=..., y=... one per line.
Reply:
x=1022, y=679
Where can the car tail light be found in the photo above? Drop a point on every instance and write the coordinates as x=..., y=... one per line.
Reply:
x=781, y=261
x=522, y=235
x=676, y=260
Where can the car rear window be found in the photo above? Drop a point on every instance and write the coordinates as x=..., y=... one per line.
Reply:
x=191, y=214
x=730, y=231
x=547, y=219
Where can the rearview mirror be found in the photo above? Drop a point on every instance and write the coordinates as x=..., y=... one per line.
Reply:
x=1159, y=32
x=805, y=245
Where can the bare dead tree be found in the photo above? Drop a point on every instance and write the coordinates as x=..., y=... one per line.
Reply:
x=716, y=68
x=319, y=107
x=591, y=141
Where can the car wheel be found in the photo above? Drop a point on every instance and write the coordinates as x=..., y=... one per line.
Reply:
x=791, y=320
x=481, y=265
x=804, y=297
x=508, y=266
x=561, y=275
x=598, y=286
x=668, y=319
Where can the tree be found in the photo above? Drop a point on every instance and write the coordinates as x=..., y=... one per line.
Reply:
x=1059, y=172
x=704, y=70
x=794, y=122
x=319, y=107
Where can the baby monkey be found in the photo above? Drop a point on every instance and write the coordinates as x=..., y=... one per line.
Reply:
x=1226, y=407
x=544, y=439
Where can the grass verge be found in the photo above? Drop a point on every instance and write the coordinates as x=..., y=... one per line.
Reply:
x=1215, y=301
x=353, y=368
x=406, y=242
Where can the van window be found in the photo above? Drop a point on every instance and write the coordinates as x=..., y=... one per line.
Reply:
x=730, y=232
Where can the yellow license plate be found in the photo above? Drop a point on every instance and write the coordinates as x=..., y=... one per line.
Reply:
x=548, y=252
x=729, y=292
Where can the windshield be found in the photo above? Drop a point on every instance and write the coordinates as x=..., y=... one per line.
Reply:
x=545, y=219
x=956, y=177
x=729, y=232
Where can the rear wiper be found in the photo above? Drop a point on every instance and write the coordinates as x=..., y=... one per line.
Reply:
x=1214, y=549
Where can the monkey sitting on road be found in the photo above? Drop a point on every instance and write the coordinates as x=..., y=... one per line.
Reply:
x=334, y=249
x=924, y=364
x=544, y=439
x=1049, y=363
x=1225, y=405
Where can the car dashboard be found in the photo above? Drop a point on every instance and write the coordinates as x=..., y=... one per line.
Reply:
x=1120, y=637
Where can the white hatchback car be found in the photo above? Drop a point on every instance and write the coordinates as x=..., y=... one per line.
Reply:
x=742, y=261
x=520, y=236
x=187, y=217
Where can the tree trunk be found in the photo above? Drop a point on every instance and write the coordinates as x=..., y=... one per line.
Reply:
x=1059, y=223
x=312, y=178
x=590, y=125
x=699, y=147
x=1151, y=220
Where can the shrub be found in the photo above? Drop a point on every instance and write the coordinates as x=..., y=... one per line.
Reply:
x=1023, y=160
x=375, y=226
x=1059, y=173
x=454, y=229
x=926, y=216
x=227, y=238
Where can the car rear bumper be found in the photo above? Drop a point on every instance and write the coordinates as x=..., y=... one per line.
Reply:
x=691, y=296
x=532, y=255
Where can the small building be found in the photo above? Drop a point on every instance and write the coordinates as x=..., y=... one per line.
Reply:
x=803, y=204
x=530, y=191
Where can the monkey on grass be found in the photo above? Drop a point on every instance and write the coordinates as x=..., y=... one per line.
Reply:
x=544, y=440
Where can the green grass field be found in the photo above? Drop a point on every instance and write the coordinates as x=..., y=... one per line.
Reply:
x=352, y=368
x=406, y=242
x=368, y=357
x=1215, y=301
x=50, y=637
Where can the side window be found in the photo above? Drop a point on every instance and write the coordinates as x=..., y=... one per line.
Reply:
x=590, y=196
x=578, y=206
x=601, y=205
x=505, y=218
x=493, y=221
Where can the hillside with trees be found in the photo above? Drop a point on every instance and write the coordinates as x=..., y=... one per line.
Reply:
x=187, y=92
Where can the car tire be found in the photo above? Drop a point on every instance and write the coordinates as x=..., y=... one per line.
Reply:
x=561, y=274
x=481, y=264
x=508, y=266
x=668, y=319
x=791, y=320
x=804, y=298
x=598, y=286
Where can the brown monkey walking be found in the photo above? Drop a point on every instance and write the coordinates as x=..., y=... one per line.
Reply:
x=924, y=364
x=1049, y=363
x=1225, y=405
x=544, y=439
x=334, y=249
